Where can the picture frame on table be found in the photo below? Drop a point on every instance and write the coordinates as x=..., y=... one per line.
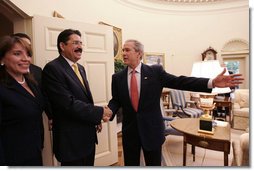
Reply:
x=152, y=58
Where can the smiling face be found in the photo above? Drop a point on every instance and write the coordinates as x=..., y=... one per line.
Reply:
x=72, y=49
x=131, y=56
x=17, y=60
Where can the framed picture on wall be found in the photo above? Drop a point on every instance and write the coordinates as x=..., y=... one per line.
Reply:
x=154, y=58
x=117, y=40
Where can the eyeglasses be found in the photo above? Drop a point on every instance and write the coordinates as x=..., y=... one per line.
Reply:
x=76, y=43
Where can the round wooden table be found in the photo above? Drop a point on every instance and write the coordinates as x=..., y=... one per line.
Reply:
x=219, y=141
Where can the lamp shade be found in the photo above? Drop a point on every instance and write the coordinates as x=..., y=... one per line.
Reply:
x=209, y=69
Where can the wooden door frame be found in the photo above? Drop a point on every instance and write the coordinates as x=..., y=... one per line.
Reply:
x=22, y=22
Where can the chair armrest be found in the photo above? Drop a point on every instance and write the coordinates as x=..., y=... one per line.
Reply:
x=236, y=106
x=180, y=114
x=247, y=130
x=190, y=102
x=168, y=118
x=244, y=141
x=244, y=144
x=241, y=151
x=237, y=154
x=178, y=105
x=169, y=110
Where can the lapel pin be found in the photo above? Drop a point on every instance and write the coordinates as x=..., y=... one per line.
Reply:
x=145, y=78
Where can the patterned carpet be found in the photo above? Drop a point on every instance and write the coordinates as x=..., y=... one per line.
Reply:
x=173, y=152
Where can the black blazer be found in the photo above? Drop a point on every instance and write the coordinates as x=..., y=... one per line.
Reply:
x=20, y=125
x=73, y=110
x=36, y=72
x=147, y=123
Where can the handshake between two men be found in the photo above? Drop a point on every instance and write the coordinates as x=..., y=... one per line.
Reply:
x=107, y=114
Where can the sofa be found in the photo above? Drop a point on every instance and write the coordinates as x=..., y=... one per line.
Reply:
x=240, y=119
x=241, y=151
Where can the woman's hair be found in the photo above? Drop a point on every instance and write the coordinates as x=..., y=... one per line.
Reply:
x=6, y=44
x=22, y=35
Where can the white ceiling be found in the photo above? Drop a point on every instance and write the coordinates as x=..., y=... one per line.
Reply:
x=187, y=6
x=190, y=1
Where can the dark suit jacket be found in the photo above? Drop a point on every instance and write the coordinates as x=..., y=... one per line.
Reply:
x=147, y=124
x=73, y=110
x=36, y=72
x=20, y=126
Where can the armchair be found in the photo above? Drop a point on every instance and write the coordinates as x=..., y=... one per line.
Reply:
x=169, y=131
x=182, y=107
x=241, y=109
x=167, y=119
x=241, y=151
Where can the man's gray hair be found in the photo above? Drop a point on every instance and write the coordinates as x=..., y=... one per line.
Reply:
x=138, y=46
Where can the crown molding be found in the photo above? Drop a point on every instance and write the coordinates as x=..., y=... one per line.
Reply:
x=187, y=7
x=181, y=2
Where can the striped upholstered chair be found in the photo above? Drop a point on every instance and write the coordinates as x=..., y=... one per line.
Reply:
x=167, y=119
x=169, y=131
x=182, y=107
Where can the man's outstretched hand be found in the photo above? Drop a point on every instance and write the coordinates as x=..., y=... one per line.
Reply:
x=232, y=80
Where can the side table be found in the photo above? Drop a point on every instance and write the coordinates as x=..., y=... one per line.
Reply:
x=219, y=141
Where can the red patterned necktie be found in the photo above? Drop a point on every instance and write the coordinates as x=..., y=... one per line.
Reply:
x=134, y=91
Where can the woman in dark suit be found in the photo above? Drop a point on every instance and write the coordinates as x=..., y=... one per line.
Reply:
x=21, y=106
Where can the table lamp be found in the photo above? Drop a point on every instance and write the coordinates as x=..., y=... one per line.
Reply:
x=209, y=69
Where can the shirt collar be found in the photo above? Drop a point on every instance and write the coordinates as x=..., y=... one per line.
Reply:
x=69, y=61
x=137, y=69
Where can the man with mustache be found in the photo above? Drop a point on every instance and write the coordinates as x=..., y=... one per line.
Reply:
x=75, y=117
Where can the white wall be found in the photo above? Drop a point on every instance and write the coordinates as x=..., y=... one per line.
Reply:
x=181, y=37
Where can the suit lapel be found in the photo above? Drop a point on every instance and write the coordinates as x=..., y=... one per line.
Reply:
x=21, y=90
x=70, y=72
x=144, y=78
x=37, y=93
x=123, y=85
x=83, y=74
